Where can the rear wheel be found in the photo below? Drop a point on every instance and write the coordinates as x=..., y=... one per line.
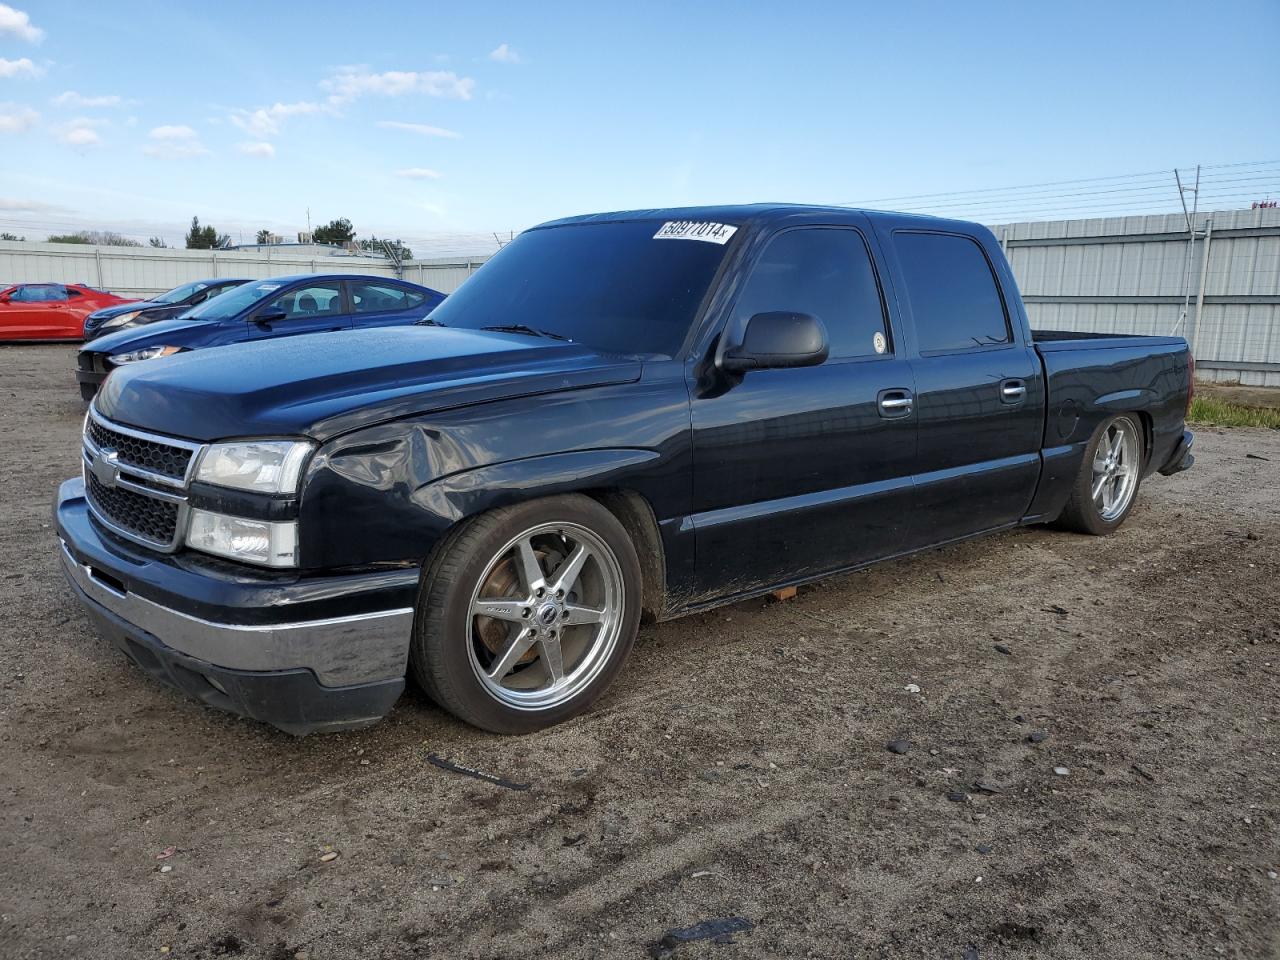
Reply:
x=1107, y=485
x=527, y=614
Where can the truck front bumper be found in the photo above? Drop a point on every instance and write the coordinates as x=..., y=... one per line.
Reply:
x=301, y=653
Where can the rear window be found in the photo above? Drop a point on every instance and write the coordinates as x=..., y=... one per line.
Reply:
x=368, y=297
x=955, y=302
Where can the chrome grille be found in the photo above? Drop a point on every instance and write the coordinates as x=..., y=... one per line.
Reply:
x=152, y=521
x=135, y=482
x=162, y=458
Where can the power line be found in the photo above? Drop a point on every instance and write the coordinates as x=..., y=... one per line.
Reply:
x=1051, y=183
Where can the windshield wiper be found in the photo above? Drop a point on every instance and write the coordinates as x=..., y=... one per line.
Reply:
x=525, y=329
x=427, y=322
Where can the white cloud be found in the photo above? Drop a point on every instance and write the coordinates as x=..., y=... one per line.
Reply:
x=424, y=129
x=258, y=148
x=18, y=24
x=265, y=121
x=174, y=142
x=22, y=67
x=350, y=83
x=419, y=173
x=503, y=53
x=79, y=133
x=173, y=132
x=73, y=99
x=10, y=205
x=16, y=119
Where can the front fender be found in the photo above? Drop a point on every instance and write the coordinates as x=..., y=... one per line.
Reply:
x=464, y=494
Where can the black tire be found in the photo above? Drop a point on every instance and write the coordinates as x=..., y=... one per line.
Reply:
x=1081, y=513
x=439, y=658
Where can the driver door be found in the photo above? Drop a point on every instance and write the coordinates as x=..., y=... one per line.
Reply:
x=317, y=307
x=798, y=472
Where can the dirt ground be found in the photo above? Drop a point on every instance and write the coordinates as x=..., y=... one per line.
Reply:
x=738, y=769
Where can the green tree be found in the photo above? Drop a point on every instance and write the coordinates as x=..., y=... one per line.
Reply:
x=9, y=236
x=375, y=246
x=205, y=238
x=335, y=231
x=264, y=236
x=101, y=238
x=158, y=242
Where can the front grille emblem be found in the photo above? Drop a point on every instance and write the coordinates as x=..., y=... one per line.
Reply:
x=106, y=467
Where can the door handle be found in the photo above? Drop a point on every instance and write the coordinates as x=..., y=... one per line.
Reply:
x=895, y=403
x=1013, y=391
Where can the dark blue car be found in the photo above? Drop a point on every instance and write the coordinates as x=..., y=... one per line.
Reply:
x=167, y=305
x=259, y=310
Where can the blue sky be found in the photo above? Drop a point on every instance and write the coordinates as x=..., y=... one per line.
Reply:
x=438, y=122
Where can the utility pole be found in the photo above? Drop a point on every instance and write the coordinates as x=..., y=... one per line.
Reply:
x=1191, y=241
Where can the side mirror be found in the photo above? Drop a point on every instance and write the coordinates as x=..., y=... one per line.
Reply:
x=270, y=315
x=778, y=339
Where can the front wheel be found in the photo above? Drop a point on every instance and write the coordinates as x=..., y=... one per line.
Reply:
x=1107, y=484
x=527, y=614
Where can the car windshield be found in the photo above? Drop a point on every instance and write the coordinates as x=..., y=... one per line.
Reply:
x=178, y=294
x=227, y=305
x=615, y=286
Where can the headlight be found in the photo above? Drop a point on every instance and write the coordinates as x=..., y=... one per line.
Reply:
x=270, y=544
x=263, y=466
x=146, y=353
x=123, y=320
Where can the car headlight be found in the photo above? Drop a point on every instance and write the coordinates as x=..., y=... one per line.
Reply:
x=121, y=321
x=146, y=353
x=262, y=466
x=267, y=543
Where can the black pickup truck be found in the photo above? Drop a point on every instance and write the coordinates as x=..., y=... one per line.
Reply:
x=619, y=416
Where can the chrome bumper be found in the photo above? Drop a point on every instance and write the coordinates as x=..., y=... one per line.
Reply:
x=340, y=651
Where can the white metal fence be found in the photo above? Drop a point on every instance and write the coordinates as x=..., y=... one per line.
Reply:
x=145, y=271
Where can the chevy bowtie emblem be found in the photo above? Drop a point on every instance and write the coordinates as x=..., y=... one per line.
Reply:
x=106, y=467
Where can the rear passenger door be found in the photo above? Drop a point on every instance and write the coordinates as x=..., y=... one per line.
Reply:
x=315, y=307
x=798, y=472
x=979, y=389
x=382, y=303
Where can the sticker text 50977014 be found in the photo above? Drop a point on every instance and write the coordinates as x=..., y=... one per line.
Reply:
x=696, y=230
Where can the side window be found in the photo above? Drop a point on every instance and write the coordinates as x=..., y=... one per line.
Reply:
x=370, y=297
x=70, y=293
x=316, y=300
x=827, y=273
x=955, y=302
x=39, y=293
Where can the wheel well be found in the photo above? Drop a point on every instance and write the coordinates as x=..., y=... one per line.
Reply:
x=635, y=514
x=1148, y=435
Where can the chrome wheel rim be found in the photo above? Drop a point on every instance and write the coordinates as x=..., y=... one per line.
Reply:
x=545, y=616
x=1115, y=469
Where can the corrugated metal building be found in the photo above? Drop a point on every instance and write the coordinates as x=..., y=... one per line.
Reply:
x=1131, y=275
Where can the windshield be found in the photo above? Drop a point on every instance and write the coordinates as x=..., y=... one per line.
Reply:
x=178, y=294
x=227, y=305
x=611, y=286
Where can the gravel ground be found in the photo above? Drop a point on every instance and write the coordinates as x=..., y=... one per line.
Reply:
x=738, y=769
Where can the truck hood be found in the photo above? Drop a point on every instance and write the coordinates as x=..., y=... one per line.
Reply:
x=326, y=384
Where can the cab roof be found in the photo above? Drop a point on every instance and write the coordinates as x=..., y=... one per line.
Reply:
x=760, y=213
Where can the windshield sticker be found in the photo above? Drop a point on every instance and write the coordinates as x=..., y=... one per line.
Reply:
x=268, y=287
x=696, y=230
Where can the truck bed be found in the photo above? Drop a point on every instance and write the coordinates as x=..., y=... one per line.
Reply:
x=1056, y=340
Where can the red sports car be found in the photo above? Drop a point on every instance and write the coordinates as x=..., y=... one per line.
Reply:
x=50, y=311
